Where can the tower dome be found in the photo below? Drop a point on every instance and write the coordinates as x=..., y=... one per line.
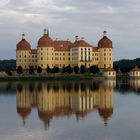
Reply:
x=45, y=40
x=23, y=44
x=105, y=42
x=23, y=112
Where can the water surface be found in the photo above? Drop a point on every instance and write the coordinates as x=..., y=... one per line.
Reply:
x=107, y=110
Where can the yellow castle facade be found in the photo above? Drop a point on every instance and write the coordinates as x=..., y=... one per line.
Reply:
x=64, y=100
x=62, y=53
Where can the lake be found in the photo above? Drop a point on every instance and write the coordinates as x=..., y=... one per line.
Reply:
x=75, y=110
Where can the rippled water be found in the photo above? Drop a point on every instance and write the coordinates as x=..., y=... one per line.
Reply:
x=106, y=110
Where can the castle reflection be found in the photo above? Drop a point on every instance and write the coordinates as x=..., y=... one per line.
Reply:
x=65, y=99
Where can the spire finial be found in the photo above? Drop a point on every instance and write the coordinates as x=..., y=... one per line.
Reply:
x=45, y=31
x=105, y=33
x=76, y=37
x=48, y=32
x=23, y=36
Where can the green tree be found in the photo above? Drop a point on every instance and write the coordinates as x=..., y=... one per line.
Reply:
x=39, y=70
x=8, y=72
x=94, y=69
x=82, y=69
x=19, y=70
x=69, y=69
x=55, y=70
x=76, y=69
x=49, y=70
x=63, y=70
x=31, y=70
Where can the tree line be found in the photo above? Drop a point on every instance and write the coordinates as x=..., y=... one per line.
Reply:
x=125, y=65
x=68, y=69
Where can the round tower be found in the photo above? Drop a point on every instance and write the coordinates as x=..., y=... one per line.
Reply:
x=23, y=49
x=105, y=48
x=106, y=101
x=45, y=51
x=23, y=102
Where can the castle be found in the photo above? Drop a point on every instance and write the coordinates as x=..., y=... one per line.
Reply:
x=61, y=53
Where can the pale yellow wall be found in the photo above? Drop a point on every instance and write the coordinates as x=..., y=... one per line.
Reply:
x=23, y=98
x=62, y=58
x=109, y=73
x=134, y=74
x=45, y=57
x=105, y=58
x=33, y=60
x=95, y=58
x=22, y=58
x=81, y=56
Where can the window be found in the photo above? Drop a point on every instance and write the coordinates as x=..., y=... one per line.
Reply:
x=25, y=56
x=104, y=49
x=104, y=65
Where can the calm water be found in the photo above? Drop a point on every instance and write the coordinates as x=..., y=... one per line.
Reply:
x=107, y=110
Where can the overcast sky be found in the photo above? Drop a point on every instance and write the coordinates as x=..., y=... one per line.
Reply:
x=67, y=18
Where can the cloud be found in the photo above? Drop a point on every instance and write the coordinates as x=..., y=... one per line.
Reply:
x=4, y=2
x=68, y=18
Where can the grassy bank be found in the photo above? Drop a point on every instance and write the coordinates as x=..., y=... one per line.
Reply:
x=47, y=78
x=58, y=78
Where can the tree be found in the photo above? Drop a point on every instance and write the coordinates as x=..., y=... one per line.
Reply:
x=76, y=69
x=19, y=70
x=48, y=70
x=55, y=70
x=63, y=70
x=82, y=69
x=94, y=69
x=31, y=70
x=39, y=69
x=69, y=69
x=4, y=64
x=9, y=73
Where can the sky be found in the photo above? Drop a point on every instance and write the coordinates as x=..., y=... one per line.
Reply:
x=68, y=18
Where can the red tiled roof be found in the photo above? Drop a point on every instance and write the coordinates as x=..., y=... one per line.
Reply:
x=62, y=45
x=23, y=45
x=45, y=41
x=94, y=49
x=45, y=115
x=33, y=51
x=81, y=43
x=23, y=112
x=105, y=42
x=105, y=112
x=136, y=69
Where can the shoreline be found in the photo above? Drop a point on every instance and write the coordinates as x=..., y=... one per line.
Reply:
x=47, y=78
x=59, y=78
